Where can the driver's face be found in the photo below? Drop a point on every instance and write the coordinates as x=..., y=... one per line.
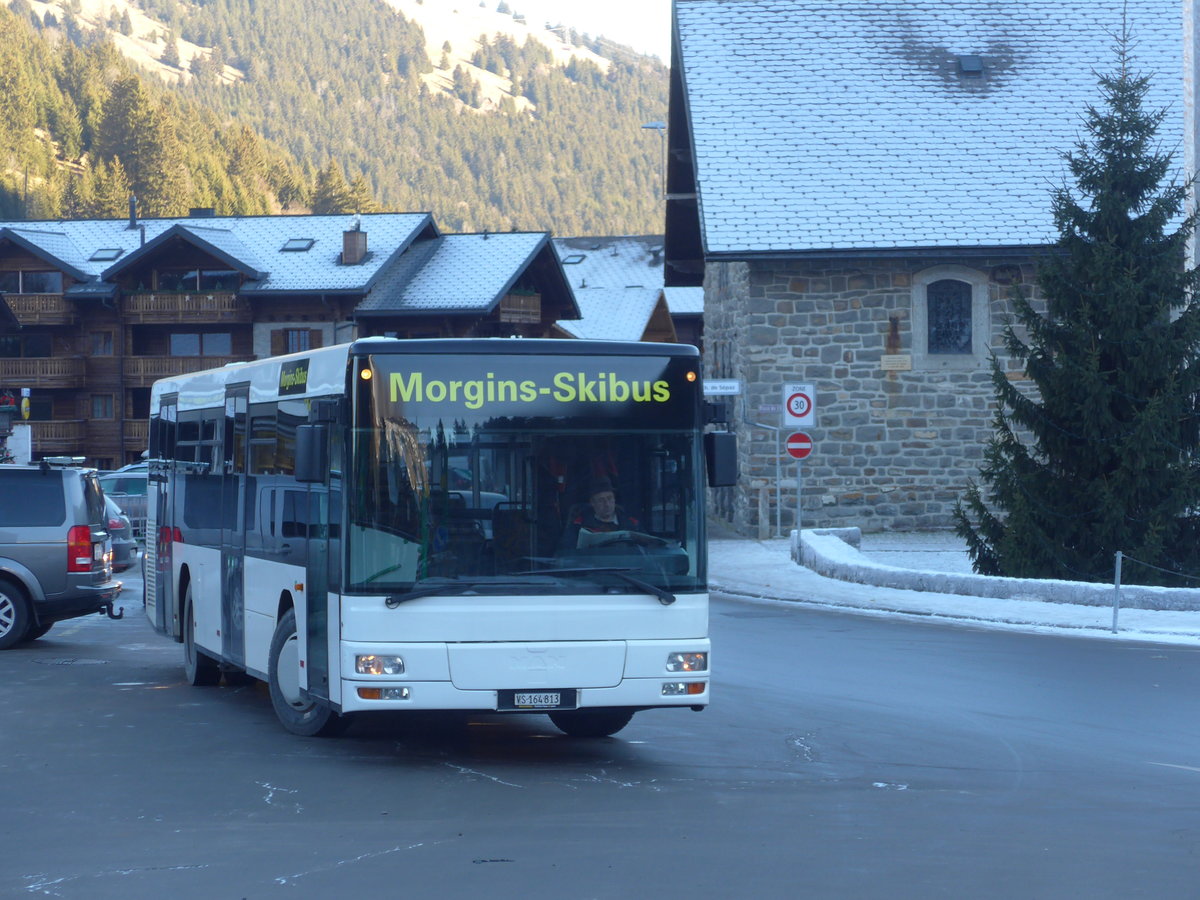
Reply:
x=604, y=504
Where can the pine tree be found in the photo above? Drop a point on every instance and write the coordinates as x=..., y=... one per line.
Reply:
x=170, y=55
x=361, y=196
x=1100, y=457
x=332, y=193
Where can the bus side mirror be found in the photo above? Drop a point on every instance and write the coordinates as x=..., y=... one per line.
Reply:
x=312, y=453
x=720, y=457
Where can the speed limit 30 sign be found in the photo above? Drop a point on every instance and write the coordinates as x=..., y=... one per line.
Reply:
x=799, y=405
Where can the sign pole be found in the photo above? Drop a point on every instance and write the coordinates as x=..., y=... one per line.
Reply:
x=799, y=409
x=779, y=493
x=799, y=445
x=799, y=483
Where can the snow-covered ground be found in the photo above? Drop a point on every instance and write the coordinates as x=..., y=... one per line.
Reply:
x=764, y=570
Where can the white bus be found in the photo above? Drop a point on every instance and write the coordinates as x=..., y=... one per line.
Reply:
x=412, y=525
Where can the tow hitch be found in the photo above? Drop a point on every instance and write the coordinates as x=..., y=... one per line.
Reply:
x=107, y=608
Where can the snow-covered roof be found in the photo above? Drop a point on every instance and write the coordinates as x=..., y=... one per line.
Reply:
x=454, y=273
x=54, y=246
x=617, y=283
x=685, y=301
x=256, y=243
x=846, y=124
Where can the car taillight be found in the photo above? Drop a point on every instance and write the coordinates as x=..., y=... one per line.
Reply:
x=79, y=549
x=114, y=524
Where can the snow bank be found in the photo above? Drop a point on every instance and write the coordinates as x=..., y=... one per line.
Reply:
x=834, y=553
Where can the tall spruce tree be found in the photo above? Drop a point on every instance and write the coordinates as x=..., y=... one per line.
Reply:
x=1102, y=455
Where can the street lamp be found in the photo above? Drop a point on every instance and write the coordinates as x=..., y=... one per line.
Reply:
x=661, y=128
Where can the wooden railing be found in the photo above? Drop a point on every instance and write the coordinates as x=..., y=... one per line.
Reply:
x=41, y=309
x=521, y=308
x=137, y=431
x=171, y=307
x=142, y=371
x=47, y=372
x=59, y=437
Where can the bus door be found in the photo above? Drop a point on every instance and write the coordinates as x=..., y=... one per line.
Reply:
x=316, y=593
x=159, y=599
x=235, y=510
x=322, y=577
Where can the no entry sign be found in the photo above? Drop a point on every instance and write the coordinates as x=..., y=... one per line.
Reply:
x=799, y=445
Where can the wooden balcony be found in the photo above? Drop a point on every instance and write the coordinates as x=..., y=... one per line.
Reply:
x=62, y=437
x=143, y=371
x=137, y=433
x=41, y=309
x=521, y=308
x=42, y=372
x=170, y=308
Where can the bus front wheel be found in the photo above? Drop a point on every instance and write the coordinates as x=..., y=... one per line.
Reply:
x=591, y=723
x=200, y=669
x=297, y=714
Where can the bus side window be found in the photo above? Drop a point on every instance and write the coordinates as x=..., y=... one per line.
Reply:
x=294, y=522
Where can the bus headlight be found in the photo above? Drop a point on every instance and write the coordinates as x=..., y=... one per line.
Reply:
x=687, y=662
x=379, y=665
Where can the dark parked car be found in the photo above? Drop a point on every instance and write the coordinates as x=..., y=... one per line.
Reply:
x=128, y=487
x=124, y=547
x=55, y=549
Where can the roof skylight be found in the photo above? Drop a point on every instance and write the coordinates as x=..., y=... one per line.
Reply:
x=105, y=254
x=971, y=66
x=297, y=245
x=574, y=259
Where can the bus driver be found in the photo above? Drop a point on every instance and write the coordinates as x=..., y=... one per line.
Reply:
x=601, y=515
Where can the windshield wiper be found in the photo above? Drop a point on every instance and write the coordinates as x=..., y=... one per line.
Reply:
x=665, y=597
x=447, y=588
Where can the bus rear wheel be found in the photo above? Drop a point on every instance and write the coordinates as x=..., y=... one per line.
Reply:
x=591, y=723
x=296, y=713
x=200, y=669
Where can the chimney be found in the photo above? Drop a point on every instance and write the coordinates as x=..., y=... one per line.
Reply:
x=133, y=223
x=354, y=246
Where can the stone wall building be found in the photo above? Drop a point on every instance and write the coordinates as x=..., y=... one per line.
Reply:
x=860, y=188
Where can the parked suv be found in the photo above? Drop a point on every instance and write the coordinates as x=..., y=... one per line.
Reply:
x=55, y=551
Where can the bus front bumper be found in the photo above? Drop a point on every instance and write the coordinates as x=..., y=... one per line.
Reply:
x=535, y=677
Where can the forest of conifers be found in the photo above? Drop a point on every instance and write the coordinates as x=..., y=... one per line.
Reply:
x=331, y=117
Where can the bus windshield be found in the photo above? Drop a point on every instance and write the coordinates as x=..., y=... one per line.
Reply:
x=499, y=470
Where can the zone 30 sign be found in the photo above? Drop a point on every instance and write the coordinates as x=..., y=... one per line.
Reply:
x=799, y=405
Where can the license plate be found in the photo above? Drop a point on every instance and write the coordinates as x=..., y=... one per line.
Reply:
x=534, y=701
x=564, y=698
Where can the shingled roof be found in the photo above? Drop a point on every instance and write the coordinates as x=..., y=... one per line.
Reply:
x=845, y=125
x=253, y=244
x=617, y=282
x=462, y=273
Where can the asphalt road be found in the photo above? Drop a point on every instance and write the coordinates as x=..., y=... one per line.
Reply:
x=843, y=757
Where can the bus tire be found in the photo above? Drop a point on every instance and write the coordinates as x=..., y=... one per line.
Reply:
x=15, y=617
x=591, y=723
x=199, y=669
x=297, y=714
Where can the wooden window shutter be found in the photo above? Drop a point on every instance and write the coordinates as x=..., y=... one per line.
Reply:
x=278, y=342
x=314, y=338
